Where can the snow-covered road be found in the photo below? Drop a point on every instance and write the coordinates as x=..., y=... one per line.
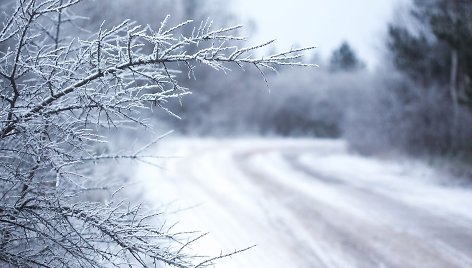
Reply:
x=311, y=203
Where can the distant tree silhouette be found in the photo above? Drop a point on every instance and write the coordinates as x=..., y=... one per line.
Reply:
x=345, y=59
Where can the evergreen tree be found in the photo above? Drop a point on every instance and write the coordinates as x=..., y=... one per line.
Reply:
x=440, y=54
x=437, y=58
x=345, y=59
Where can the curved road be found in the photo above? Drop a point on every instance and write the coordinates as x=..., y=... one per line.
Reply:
x=311, y=203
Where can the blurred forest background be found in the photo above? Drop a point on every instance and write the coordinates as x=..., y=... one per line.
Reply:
x=418, y=101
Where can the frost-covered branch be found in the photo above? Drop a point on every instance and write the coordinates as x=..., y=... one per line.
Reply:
x=57, y=94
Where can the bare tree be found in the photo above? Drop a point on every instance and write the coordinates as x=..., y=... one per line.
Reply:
x=57, y=93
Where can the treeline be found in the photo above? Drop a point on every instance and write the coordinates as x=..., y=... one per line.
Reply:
x=418, y=101
x=427, y=107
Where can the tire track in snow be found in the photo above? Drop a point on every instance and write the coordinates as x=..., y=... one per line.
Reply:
x=363, y=240
x=433, y=229
x=333, y=245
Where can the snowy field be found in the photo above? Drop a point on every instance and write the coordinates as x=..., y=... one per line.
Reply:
x=310, y=203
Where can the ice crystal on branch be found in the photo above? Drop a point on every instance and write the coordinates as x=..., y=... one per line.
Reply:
x=56, y=93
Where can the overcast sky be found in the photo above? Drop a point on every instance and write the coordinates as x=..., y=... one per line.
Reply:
x=322, y=23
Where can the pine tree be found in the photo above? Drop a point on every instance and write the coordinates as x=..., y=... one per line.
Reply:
x=345, y=59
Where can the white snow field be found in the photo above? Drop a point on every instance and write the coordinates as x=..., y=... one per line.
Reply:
x=310, y=203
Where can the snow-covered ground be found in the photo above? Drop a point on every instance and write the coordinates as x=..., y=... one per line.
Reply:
x=310, y=203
